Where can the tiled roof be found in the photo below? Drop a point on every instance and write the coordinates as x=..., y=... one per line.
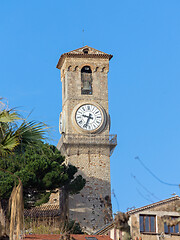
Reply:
x=109, y=226
x=92, y=53
x=72, y=236
x=43, y=211
x=85, y=237
x=42, y=237
x=153, y=205
x=105, y=228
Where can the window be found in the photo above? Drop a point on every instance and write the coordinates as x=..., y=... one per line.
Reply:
x=173, y=226
x=147, y=223
x=86, y=80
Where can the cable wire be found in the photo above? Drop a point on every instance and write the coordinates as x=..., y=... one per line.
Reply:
x=114, y=195
x=157, y=178
x=152, y=194
x=148, y=199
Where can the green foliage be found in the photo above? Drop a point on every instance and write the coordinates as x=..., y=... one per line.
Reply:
x=40, y=168
x=73, y=227
x=44, y=199
x=14, y=130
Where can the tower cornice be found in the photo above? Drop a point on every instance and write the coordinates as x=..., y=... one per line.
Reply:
x=84, y=52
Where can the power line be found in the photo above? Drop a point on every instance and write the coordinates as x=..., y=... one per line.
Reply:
x=152, y=194
x=114, y=195
x=157, y=178
x=148, y=199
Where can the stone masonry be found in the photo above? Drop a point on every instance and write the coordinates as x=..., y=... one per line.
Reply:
x=167, y=208
x=90, y=153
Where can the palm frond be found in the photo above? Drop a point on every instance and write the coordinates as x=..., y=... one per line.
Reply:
x=9, y=116
x=31, y=132
x=15, y=130
x=8, y=143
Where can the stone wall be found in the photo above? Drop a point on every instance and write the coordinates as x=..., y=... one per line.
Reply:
x=166, y=209
x=92, y=207
x=71, y=88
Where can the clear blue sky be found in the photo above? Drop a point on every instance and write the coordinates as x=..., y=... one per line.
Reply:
x=144, y=79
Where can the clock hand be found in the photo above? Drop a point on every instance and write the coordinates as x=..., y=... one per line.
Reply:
x=89, y=117
x=85, y=116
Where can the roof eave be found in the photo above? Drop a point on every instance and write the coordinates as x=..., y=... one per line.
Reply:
x=68, y=55
x=153, y=205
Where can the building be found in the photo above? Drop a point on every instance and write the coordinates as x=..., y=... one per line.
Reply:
x=157, y=221
x=84, y=125
x=66, y=237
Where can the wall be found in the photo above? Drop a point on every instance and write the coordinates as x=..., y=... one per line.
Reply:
x=92, y=206
x=169, y=209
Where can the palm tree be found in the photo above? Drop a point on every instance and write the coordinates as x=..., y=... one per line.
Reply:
x=14, y=132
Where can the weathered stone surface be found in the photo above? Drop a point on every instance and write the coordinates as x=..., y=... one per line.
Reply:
x=169, y=207
x=92, y=206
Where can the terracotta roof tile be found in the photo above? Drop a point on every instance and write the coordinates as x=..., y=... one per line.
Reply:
x=85, y=237
x=43, y=237
x=154, y=204
x=72, y=236
x=93, y=53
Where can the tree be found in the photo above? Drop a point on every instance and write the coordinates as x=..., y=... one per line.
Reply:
x=26, y=161
x=121, y=223
x=40, y=168
x=15, y=130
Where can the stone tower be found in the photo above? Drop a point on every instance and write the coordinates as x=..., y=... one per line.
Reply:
x=84, y=125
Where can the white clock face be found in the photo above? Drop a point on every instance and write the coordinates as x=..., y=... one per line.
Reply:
x=89, y=117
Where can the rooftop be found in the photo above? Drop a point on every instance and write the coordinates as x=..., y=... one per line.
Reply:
x=72, y=237
x=83, y=52
x=154, y=204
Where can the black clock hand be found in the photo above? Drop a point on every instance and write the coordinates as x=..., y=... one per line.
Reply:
x=89, y=117
x=85, y=116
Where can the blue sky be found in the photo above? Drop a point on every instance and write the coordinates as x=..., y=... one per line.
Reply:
x=144, y=79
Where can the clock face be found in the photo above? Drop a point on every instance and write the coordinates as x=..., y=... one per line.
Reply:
x=89, y=117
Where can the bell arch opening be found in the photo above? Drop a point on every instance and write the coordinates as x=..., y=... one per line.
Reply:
x=86, y=80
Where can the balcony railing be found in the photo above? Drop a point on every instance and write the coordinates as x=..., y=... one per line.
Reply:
x=90, y=139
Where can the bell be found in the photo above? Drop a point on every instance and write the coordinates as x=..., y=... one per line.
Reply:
x=86, y=86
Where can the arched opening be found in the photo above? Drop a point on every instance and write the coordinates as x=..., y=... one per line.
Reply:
x=86, y=80
x=85, y=51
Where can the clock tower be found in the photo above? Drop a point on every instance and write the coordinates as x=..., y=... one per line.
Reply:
x=85, y=142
